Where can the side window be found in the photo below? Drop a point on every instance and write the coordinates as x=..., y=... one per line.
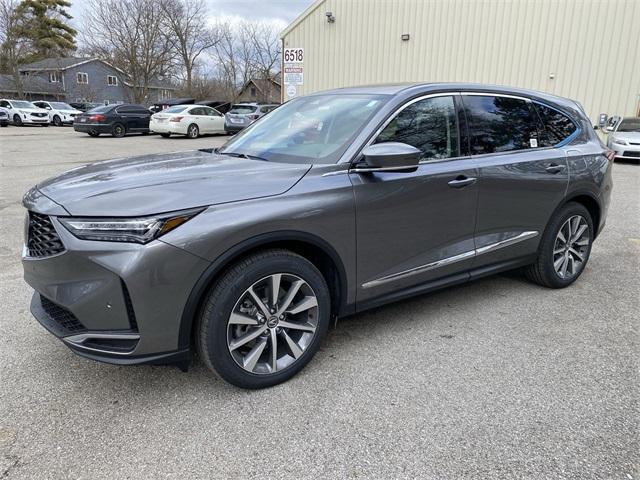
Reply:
x=121, y=110
x=430, y=125
x=500, y=124
x=196, y=111
x=557, y=126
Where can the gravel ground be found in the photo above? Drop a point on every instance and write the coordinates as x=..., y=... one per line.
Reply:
x=494, y=379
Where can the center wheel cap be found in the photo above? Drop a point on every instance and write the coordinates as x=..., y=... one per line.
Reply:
x=272, y=322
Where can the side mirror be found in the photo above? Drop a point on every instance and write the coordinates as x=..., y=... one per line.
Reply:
x=609, y=129
x=391, y=157
x=596, y=127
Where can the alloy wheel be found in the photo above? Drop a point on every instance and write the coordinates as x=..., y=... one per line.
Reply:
x=193, y=131
x=571, y=247
x=272, y=324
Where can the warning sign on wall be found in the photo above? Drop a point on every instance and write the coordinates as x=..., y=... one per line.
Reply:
x=293, y=72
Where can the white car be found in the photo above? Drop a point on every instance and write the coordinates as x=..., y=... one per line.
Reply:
x=189, y=120
x=60, y=113
x=22, y=112
x=624, y=138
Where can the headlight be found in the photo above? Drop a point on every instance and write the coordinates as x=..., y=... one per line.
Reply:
x=133, y=230
x=619, y=142
x=23, y=111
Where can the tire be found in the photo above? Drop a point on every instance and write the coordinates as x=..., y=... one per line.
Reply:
x=57, y=121
x=94, y=134
x=4, y=125
x=217, y=334
x=165, y=135
x=45, y=124
x=118, y=130
x=17, y=121
x=193, y=131
x=553, y=253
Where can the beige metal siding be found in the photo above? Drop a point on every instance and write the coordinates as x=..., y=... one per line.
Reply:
x=591, y=47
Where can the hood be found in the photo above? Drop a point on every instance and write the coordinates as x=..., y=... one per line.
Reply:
x=153, y=184
x=626, y=136
x=33, y=110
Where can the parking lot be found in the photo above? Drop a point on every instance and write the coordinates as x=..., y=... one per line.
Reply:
x=495, y=379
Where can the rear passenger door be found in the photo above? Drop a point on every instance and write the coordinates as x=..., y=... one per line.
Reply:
x=522, y=177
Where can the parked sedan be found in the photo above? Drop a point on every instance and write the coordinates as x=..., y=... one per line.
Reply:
x=22, y=112
x=4, y=117
x=189, y=120
x=60, y=113
x=334, y=203
x=116, y=120
x=241, y=115
x=624, y=138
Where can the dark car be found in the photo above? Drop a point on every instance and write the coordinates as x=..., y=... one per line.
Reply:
x=85, y=106
x=4, y=117
x=332, y=204
x=116, y=120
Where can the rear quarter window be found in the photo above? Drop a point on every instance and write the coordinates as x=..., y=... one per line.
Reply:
x=557, y=126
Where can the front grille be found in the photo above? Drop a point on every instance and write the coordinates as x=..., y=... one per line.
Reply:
x=42, y=238
x=39, y=115
x=63, y=317
x=631, y=154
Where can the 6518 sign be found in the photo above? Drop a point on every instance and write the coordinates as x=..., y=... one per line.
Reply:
x=293, y=55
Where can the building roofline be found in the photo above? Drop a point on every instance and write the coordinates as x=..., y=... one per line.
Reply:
x=301, y=17
x=88, y=60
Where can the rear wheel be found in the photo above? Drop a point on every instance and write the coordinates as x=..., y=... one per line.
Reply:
x=118, y=130
x=193, y=131
x=93, y=133
x=57, y=121
x=17, y=121
x=165, y=135
x=564, y=249
x=264, y=319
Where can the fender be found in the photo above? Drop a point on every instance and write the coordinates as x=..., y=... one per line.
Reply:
x=215, y=268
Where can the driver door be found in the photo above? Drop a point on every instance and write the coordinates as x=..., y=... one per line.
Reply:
x=418, y=227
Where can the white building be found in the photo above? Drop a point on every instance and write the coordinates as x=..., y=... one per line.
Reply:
x=587, y=50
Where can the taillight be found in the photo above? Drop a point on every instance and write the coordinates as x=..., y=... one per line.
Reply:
x=176, y=119
x=96, y=118
x=254, y=117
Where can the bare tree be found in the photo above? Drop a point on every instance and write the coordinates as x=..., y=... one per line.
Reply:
x=12, y=47
x=189, y=33
x=265, y=47
x=129, y=34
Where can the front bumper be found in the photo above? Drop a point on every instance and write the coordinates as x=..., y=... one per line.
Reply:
x=627, y=152
x=114, y=302
x=28, y=119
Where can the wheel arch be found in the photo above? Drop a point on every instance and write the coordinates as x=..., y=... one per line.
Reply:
x=591, y=203
x=313, y=248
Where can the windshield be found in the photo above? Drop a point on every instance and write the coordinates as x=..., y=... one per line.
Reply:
x=314, y=129
x=629, y=125
x=61, y=106
x=243, y=109
x=176, y=109
x=22, y=104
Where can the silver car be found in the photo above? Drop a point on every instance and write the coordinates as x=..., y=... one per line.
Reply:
x=334, y=203
x=624, y=138
x=241, y=115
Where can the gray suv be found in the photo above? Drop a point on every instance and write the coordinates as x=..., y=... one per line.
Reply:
x=241, y=115
x=335, y=203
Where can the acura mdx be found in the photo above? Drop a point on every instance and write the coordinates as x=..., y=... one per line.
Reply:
x=334, y=203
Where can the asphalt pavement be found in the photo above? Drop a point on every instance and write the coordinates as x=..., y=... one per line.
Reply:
x=494, y=379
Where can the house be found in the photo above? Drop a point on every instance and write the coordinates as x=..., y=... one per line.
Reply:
x=76, y=79
x=260, y=90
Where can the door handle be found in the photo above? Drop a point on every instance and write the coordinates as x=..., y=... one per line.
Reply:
x=462, y=181
x=554, y=168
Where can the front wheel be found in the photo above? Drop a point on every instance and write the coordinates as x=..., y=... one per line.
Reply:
x=118, y=130
x=165, y=135
x=264, y=319
x=57, y=121
x=93, y=133
x=193, y=131
x=564, y=249
x=17, y=121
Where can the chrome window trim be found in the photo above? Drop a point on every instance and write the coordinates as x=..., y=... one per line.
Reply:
x=449, y=260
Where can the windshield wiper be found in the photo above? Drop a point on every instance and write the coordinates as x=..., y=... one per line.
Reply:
x=243, y=155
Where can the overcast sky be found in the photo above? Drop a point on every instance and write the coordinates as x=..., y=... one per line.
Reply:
x=281, y=12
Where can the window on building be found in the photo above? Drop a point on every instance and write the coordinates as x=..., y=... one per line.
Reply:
x=254, y=91
x=112, y=80
x=557, y=126
x=82, y=78
x=500, y=124
x=430, y=125
x=55, y=77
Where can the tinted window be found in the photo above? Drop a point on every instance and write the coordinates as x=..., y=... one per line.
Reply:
x=629, y=125
x=429, y=125
x=557, y=126
x=126, y=109
x=499, y=124
x=176, y=109
x=196, y=111
x=243, y=109
x=103, y=109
